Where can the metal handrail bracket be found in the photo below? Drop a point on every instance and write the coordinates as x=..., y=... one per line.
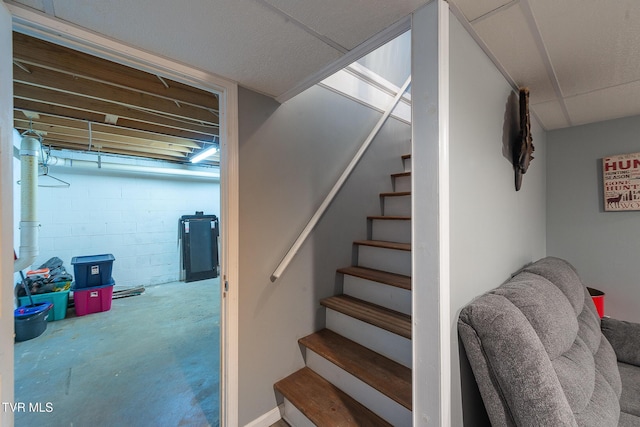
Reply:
x=337, y=186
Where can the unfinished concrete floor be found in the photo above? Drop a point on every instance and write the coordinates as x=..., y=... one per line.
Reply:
x=152, y=360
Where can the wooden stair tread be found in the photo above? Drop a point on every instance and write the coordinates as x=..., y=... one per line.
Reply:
x=323, y=403
x=396, y=194
x=390, y=217
x=400, y=174
x=391, y=279
x=388, y=377
x=382, y=317
x=384, y=244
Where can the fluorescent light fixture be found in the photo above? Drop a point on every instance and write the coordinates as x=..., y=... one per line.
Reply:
x=204, y=154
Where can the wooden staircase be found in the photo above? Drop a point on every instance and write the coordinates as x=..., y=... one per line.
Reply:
x=358, y=369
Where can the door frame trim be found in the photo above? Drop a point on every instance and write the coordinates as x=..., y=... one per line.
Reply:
x=48, y=28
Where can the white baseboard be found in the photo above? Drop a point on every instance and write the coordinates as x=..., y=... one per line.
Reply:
x=265, y=420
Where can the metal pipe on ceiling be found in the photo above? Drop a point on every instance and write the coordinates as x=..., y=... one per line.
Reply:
x=90, y=164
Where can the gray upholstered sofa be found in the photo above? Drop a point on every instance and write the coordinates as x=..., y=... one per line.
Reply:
x=542, y=357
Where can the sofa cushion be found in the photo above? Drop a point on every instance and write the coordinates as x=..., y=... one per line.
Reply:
x=576, y=372
x=564, y=276
x=607, y=365
x=545, y=308
x=630, y=399
x=515, y=376
x=537, y=352
x=589, y=324
x=618, y=333
x=603, y=408
x=628, y=420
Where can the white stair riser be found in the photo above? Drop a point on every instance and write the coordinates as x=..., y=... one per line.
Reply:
x=402, y=183
x=391, y=297
x=397, y=206
x=294, y=417
x=391, y=260
x=386, y=343
x=391, y=230
x=377, y=402
x=407, y=165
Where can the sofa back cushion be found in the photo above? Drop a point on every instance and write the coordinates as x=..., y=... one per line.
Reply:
x=537, y=352
x=618, y=332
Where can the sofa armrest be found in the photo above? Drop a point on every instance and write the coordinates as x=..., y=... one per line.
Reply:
x=624, y=337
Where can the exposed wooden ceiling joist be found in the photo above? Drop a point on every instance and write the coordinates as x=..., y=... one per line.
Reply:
x=44, y=101
x=96, y=138
x=131, y=112
x=79, y=86
x=46, y=123
x=101, y=146
x=32, y=51
x=60, y=144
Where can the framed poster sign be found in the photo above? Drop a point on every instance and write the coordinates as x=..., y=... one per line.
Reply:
x=621, y=177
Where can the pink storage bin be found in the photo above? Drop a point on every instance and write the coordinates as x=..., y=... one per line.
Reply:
x=93, y=300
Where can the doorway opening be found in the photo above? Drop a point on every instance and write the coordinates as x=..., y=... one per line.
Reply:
x=102, y=159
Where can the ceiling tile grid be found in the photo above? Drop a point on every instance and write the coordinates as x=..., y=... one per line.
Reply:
x=515, y=48
x=550, y=114
x=567, y=52
x=610, y=103
x=240, y=40
x=35, y=4
x=347, y=22
x=591, y=44
x=474, y=9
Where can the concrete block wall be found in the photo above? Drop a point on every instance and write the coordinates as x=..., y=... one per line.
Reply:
x=132, y=216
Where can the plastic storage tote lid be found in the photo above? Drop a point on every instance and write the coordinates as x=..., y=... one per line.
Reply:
x=90, y=288
x=30, y=310
x=90, y=259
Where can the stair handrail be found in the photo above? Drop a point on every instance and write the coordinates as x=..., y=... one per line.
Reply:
x=338, y=185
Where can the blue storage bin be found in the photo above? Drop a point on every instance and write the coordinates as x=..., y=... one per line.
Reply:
x=31, y=321
x=92, y=270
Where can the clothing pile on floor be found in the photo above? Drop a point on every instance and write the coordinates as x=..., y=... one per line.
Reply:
x=49, y=277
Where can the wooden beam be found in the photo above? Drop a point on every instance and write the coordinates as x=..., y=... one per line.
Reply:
x=104, y=133
x=156, y=117
x=82, y=148
x=20, y=105
x=52, y=122
x=157, y=128
x=62, y=104
x=66, y=83
x=53, y=139
x=29, y=50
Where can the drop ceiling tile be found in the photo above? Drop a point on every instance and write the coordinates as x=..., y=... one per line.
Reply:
x=550, y=115
x=347, y=22
x=237, y=39
x=507, y=35
x=605, y=104
x=473, y=9
x=592, y=44
x=35, y=4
